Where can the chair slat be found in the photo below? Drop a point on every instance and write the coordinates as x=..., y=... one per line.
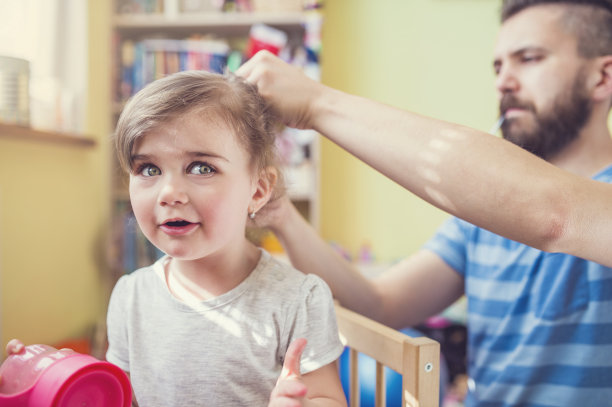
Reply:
x=381, y=391
x=354, y=377
x=416, y=359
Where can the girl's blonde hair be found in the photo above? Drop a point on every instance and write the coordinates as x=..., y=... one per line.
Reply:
x=220, y=97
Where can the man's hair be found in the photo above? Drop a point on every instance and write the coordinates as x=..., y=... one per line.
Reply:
x=226, y=99
x=589, y=20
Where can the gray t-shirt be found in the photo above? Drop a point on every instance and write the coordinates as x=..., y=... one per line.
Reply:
x=227, y=351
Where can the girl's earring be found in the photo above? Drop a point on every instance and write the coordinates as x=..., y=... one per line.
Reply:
x=252, y=215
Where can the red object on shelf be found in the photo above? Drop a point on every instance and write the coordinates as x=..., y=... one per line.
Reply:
x=265, y=37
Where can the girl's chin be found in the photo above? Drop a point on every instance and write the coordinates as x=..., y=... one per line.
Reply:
x=180, y=253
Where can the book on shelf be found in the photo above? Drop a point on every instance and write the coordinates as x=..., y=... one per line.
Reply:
x=137, y=251
x=173, y=7
x=139, y=6
x=149, y=59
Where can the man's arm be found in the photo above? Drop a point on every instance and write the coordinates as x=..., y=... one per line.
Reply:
x=411, y=291
x=483, y=179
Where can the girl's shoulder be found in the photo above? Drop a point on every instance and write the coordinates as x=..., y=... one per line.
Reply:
x=279, y=276
x=142, y=277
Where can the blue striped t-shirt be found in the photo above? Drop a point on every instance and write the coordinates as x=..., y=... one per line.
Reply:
x=539, y=324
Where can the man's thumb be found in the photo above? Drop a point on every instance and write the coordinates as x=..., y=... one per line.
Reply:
x=291, y=366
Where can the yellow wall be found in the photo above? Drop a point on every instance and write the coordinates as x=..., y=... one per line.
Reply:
x=54, y=211
x=430, y=56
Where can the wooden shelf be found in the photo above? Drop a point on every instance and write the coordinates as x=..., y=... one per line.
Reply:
x=27, y=133
x=138, y=23
x=202, y=20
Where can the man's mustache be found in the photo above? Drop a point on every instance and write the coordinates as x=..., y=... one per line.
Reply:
x=511, y=102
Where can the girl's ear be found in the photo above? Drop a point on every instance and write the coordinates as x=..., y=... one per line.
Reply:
x=268, y=178
x=603, y=87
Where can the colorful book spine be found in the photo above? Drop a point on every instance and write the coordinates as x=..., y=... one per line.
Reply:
x=147, y=60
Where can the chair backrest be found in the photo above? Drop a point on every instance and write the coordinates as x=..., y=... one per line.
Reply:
x=416, y=359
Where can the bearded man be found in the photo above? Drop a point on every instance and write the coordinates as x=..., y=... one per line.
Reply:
x=539, y=321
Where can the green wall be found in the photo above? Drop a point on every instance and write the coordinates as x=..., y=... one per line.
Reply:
x=433, y=57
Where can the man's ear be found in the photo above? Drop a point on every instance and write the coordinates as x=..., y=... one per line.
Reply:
x=264, y=187
x=603, y=88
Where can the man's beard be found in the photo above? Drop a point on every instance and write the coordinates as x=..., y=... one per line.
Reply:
x=555, y=128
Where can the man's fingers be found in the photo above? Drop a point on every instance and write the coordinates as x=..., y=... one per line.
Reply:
x=246, y=69
x=291, y=366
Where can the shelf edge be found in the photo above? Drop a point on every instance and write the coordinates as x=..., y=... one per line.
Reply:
x=27, y=133
x=204, y=20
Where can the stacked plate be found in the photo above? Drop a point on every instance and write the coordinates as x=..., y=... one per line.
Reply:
x=14, y=91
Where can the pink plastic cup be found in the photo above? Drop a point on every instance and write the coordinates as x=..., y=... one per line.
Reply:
x=42, y=376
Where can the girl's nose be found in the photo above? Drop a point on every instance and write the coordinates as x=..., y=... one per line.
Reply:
x=172, y=193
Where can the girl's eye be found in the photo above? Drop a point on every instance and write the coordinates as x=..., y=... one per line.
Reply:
x=201, y=169
x=149, y=170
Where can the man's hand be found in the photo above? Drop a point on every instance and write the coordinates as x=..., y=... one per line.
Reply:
x=290, y=391
x=274, y=214
x=289, y=91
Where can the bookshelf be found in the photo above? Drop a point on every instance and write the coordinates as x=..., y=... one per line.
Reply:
x=150, y=28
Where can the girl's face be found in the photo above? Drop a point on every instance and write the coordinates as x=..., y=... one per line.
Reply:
x=191, y=188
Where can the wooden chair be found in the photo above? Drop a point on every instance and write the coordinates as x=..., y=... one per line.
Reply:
x=416, y=359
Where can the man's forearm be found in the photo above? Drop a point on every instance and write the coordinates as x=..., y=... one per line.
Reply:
x=473, y=175
x=478, y=177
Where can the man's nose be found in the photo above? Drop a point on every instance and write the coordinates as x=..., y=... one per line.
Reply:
x=506, y=81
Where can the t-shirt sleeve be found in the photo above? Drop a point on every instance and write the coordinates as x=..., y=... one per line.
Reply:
x=315, y=320
x=449, y=243
x=117, y=326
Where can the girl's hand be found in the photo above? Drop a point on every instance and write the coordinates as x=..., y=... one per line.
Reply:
x=14, y=346
x=290, y=391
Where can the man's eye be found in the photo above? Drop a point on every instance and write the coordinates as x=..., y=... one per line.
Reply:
x=531, y=58
x=201, y=169
x=149, y=171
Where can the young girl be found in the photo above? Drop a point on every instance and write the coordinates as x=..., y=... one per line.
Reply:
x=210, y=323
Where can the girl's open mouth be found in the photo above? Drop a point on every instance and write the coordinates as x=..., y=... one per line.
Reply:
x=178, y=227
x=178, y=223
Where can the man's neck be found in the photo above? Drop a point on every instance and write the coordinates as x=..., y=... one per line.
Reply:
x=590, y=153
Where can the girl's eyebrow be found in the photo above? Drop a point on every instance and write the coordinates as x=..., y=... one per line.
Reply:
x=194, y=154
x=200, y=154
x=140, y=157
